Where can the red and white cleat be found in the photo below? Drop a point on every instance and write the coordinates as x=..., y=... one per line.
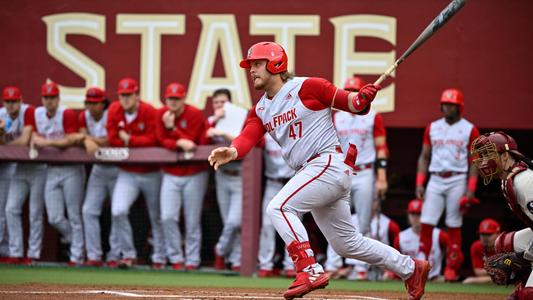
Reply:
x=417, y=282
x=305, y=283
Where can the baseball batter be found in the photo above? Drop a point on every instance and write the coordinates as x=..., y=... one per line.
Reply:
x=296, y=112
x=92, y=122
x=26, y=178
x=496, y=155
x=408, y=240
x=277, y=174
x=229, y=192
x=488, y=230
x=452, y=183
x=182, y=127
x=132, y=123
x=57, y=126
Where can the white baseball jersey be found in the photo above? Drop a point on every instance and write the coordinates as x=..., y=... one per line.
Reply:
x=300, y=131
x=50, y=128
x=275, y=165
x=96, y=128
x=449, y=145
x=409, y=244
x=523, y=191
x=13, y=128
x=358, y=130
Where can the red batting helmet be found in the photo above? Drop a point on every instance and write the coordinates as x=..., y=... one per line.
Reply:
x=272, y=52
x=354, y=84
x=489, y=226
x=11, y=93
x=49, y=89
x=486, y=149
x=453, y=96
x=415, y=206
x=95, y=94
x=175, y=90
x=128, y=86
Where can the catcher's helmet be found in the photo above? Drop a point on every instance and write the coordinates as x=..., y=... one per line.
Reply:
x=272, y=52
x=486, y=149
x=453, y=96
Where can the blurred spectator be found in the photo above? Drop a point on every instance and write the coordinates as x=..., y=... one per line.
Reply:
x=101, y=182
x=489, y=230
x=17, y=121
x=229, y=191
x=182, y=127
x=132, y=123
x=57, y=126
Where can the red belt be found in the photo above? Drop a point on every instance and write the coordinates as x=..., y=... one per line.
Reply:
x=363, y=167
x=447, y=174
x=338, y=149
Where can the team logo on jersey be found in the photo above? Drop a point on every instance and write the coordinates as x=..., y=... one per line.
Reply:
x=529, y=206
x=141, y=126
x=183, y=123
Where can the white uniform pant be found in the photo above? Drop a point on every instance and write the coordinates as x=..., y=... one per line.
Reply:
x=361, y=196
x=99, y=187
x=229, y=198
x=128, y=187
x=444, y=193
x=188, y=191
x=28, y=178
x=267, y=237
x=6, y=172
x=64, y=189
x=322, y=187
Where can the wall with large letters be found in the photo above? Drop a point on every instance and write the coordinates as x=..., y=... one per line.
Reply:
x=485, y=50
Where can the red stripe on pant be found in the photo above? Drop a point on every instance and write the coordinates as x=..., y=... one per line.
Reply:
x=296, y=191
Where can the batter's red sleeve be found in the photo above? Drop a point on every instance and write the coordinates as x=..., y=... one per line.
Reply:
x=317, y=93
x=379, y=126
x=114, y=117
x=81, y=120
x=252, y=132
x=476, y=255
x=427, y=139
x=394, y=231
x=70, y=121
x=29, y=117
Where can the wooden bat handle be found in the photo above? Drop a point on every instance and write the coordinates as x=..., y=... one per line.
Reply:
x=386, y=74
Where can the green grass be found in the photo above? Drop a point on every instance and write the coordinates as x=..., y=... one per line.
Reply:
x=149, y=278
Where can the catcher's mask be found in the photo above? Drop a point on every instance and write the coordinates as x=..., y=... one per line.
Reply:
x=486, y=149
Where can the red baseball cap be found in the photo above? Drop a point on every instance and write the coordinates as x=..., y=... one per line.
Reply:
x=489, y=226
x=175, y=90
x=128, y=86
x=11, y=93
x=95, y=94
x=50, y=89
x=415, y=206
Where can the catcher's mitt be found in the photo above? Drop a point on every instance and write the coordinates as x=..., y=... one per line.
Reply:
x=507, y=268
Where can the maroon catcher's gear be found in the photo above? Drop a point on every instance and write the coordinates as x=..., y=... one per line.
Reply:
x=272, y=52
x=486, y=149
x=504, y=242
x=453, y=96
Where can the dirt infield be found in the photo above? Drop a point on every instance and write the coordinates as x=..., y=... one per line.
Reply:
x=46, y=291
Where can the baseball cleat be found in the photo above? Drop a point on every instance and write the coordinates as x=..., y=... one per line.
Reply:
x=126, y=263
x=177, y=266
x=305, y=283
x=92, y=263
x=417, y=282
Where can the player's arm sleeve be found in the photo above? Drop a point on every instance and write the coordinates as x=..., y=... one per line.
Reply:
x=427, y=139
x=29, y=117
x=380, y=137
x=29, y=127
x=252, y=132
x=319, y=93
x=112, y=128
x=396, y=243
x=70, y=121
x=474, y=134
x=148, y=137
x=163, y=135
x=394, y=231
x=476, y=256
